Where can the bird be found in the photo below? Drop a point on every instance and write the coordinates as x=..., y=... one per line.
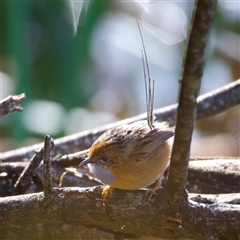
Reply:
x=131, y=156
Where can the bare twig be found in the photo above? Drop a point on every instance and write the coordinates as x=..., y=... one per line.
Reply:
x=11, y=104
x=218, y=100
x=192, y=72
x=47, y=178
x=71, y=159
x=24, y=179
x=208, y=105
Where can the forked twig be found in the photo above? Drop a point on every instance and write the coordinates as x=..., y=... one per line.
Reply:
x=11, y=104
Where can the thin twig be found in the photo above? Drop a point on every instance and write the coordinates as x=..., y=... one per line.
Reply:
x=208, y=105
x=193, y=65
x=47, y=178
x=11, y=104
x=71, y=159
x=24, y=179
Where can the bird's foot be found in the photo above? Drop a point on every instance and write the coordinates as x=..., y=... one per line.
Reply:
x=152, y=191
x=107, y=190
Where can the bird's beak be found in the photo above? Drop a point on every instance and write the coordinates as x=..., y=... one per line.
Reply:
x=86, y=161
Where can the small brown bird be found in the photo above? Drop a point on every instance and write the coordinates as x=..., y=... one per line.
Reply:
x=131, y=156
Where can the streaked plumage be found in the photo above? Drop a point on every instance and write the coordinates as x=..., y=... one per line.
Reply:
x=131, y=156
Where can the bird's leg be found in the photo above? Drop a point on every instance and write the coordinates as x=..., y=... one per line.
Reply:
x=152, y=191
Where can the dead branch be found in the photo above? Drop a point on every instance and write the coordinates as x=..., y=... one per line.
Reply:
x=53, y=231
x=208, y=105
x=205, y=176
x=190, y=80
x=25, y=178
x=214, y=176
x=11, y=104
x=72, y=159
x=218, y=100
x=118, y=211
x=47, y=171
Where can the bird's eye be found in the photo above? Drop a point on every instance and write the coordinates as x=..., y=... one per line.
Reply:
x=103, y=157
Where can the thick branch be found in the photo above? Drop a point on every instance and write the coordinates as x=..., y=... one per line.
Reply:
x=118, y=211
x=46, y=231
x=11, y=104
x=72, y=159
x=193, y=66
x=214, y=176
x=208, y=105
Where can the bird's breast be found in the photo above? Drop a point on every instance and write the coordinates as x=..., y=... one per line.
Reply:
x=101, y=173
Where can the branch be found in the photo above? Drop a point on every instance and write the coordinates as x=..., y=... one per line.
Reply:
x=25, y=178
x=47, y=176
x=72, y=159
x=190, y=80
x=214, y=176
x=218, y=100
x=117, y=212
x=208, y=105
x=46, y=231
x=205, y=175
x=11, y=104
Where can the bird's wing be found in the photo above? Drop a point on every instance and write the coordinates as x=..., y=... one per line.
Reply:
x=150, y=141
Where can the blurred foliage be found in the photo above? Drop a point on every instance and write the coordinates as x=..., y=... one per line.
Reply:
x=42, y=56
x=47, y=62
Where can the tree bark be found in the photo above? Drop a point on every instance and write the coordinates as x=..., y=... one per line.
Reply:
x=47, y=231
x=11, y=104
x=117, y=211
